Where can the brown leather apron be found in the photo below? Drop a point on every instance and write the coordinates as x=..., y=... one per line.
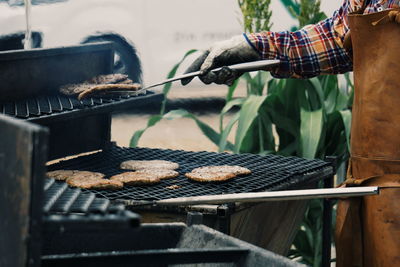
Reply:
x=368, y=228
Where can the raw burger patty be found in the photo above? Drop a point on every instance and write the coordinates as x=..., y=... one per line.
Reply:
x=93, y=183
x=62, y=175
x=149, y=164
x=237, y=170
x=210, y=176
x=136, y=178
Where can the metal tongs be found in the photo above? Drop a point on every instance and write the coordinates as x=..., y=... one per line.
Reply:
x=245, y=67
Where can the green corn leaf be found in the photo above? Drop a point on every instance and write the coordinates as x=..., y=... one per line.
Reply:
x=316, y=85
x=342, y=100
x=335, y=142
x=330, y=101
x=231, y=104
x=136, y=136
x=167, y=87
x=223, y=143
x=228, y=106
x=267, y=133
x=346, y=117
x=291, y=5
x=231, y=90
x=310, y=132
x=289, y=149
x=208, y=131
x=248, y=115
x=281, y=121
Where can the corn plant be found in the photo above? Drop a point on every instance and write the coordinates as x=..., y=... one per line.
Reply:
x=292, y=117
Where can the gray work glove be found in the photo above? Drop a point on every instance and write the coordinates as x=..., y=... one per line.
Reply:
x=233, y=51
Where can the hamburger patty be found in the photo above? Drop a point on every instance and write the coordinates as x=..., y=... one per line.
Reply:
x=210, y=176
x=216, y=173
x=62, y=175
x=77, y=88
x=93, y=183
x=237, y=170
x=160, y=173
x=136, y=178
x=148, y=164
x=109, y=88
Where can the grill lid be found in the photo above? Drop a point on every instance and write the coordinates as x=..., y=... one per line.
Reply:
x=269, y=172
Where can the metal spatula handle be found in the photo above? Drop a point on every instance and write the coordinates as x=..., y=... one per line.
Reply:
x=252, y=66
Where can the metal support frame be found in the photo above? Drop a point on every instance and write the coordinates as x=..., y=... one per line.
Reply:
x=224, y=213
x=327, y=217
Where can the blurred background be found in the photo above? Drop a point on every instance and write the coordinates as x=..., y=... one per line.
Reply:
x=159, y=32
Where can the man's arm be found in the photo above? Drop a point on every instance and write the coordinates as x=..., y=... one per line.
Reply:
x=311, y=51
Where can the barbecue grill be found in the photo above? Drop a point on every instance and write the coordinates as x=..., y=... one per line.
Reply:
x=46, y=223
x=30, y=80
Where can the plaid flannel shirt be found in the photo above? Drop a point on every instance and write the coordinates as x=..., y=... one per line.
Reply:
x=315, y=49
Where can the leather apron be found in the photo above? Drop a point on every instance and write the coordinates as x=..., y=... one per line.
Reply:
x=368, y=228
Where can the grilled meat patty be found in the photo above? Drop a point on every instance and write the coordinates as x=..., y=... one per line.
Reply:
x=210, y=176
x=136, y=178
x=237, y=170
x=148, y=164
x=100, y=84
x=216, y=173
x=109, y=88
x=160, y=173
x=94, y=183
x=62, y=175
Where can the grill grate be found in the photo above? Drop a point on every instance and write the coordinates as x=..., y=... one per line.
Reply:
x=269, y=172
x=54, y=104
x=59, y=198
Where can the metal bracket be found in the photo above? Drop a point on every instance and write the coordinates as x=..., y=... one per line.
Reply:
x=224, y=217
x=194, y=218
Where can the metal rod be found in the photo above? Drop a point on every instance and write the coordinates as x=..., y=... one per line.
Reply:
x=247, y=67
x=327, y=217
x=272, y=196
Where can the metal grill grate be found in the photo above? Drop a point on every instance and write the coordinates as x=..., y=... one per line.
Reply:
x=54, y=104
x=268, y=172
x=59, y=198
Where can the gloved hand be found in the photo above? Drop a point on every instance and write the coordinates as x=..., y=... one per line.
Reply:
x=233, y=51
x=394, y=15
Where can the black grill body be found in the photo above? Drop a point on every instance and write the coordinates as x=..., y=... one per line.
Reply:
x=45, y=223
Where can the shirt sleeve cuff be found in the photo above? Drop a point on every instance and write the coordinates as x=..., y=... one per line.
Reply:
x=251, y=44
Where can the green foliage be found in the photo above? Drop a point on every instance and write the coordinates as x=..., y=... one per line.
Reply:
x=256, y=15
x=305, y=11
